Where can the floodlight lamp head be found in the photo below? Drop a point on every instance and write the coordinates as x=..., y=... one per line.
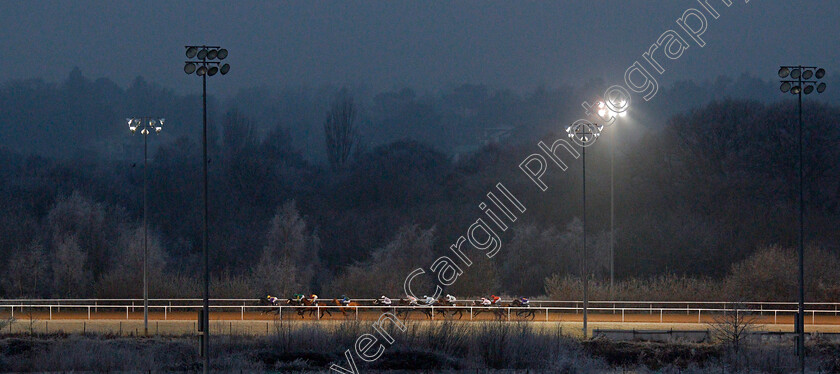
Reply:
x=821, y=88
x=191, y=52
x=795, y=90
x=795, y=73
x=189, y=68
x=784, y=72
x=211, y=55
x=807, y=74
x=223, y=53
x=145, y=131
x=224, y=69
x=820, y=73
x=808, y=89
x=785, y=87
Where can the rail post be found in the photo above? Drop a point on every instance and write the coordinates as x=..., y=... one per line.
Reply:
x=433, y=313
x=243, y=312
x=126, y=313
x=698, y=314
x=88, y=308
x=546, y=314
x=318, y=312
x=508, y=314
x=471, y=313
x=50, y=311
x=357, y=312
x=660, y=315
x=622, y=315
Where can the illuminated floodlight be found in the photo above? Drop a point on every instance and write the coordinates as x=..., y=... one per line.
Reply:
x=602, y=112
x=212, y=54
x=189, y=68
x=784, y=72
x=202, y=54
x=222, y=54
x=224, y=69
x=622, y=114
x=191, y=52
x=821, y=88
x=808, y=89
x=795, y=73
x=795, y=90
x=201, y=71
x=131, y=125
x=820, y=73
x=785, y=87
x=807, y=74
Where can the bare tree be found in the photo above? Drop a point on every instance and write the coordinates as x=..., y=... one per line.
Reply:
x=340, y=131
x=732, y=327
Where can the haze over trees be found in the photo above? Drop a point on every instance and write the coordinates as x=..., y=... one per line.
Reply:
x=342, y=191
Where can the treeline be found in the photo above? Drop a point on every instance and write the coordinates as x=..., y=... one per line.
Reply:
x=694, y=195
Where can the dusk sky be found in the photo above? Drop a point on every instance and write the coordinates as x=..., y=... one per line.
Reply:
x=388, y=44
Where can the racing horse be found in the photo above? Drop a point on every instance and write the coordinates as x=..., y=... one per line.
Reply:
x=308, y=305
x=497, y=309
x=406, y=311
x=523, y=312
x=265, y=301
x=345, y=308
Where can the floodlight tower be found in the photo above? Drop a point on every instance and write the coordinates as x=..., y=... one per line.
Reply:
x=584, y=134
x=203, y=62
x=803, y=79
x=146, y=125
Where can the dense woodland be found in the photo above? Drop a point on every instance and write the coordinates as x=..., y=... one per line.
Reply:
x=701, y=186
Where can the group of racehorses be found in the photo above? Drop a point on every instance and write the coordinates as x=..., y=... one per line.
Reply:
x=309, y=306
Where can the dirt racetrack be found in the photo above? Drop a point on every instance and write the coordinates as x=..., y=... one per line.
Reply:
x=243, y=321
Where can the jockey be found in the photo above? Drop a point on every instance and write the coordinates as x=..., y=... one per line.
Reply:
x=314, y=298
x=485, y=301
x=428, y=300
x=344, y=300
x=496, y=300
x=297, y=297
x=524, y=301
x=385, y=301
x=271, y=299
x=450, y=299
x=412, y=300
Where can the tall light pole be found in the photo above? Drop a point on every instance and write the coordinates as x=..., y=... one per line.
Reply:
x=146, y=125
x=202, y=62
x=602, y=111
x=584, y=134
x=803, y=79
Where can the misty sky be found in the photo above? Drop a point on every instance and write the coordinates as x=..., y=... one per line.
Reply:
x=389, y=44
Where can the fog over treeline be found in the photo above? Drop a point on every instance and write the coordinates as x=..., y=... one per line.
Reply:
x=705, y=175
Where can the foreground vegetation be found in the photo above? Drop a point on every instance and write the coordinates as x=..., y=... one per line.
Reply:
x=442, y=347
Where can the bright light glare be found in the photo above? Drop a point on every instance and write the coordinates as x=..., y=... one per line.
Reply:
x=602, y=112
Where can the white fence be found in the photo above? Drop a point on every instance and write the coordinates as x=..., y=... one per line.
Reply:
x=542, y=309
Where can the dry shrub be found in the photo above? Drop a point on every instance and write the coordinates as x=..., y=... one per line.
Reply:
x=663, y=288
x=769, y=274
x=772, y=274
